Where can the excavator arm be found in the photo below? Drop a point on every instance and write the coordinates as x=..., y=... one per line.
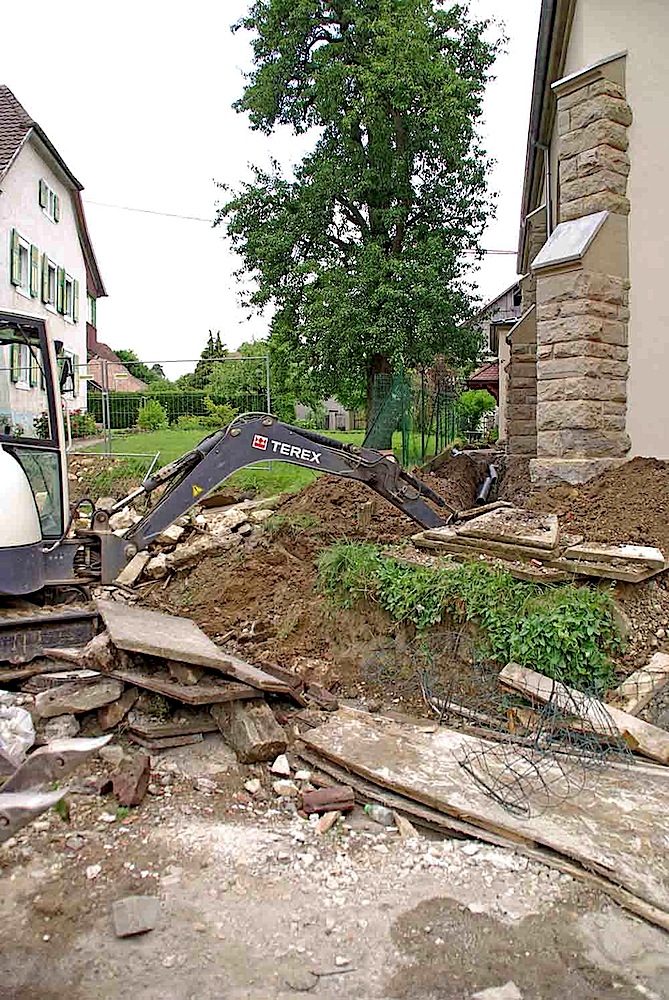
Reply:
x=253, y=438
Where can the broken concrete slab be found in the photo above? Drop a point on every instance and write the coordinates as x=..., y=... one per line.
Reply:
x=131, y=780
x=170, y=535
x=195, y=550
x=135, y=915
x=224, y=522
x=515, y=526
x=506, y=550
x=129, y=576
x=646, y=555
x=639, y=689
x=187, y=722
x=59, y=727
x=281, y=766
x=157, y=567
x=507, y=992
x=110, y=715
x=154, y=633
x=626, y=572
x=251, y=730
x=165, y=742
x=208, y=692
x=75, y=698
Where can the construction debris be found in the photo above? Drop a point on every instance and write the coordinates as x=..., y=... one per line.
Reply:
x=339, y=798
x=76, y=697
x=422, y=771
x=251, y=730
x=135, y=915
x=639, y=689
x=639, y=735
x=130, y=781
x=532, y=547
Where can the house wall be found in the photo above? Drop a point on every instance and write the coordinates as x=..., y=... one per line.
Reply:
x=600, y=29
x=20, y=210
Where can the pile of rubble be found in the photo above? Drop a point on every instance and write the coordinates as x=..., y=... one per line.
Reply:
x=532, y=546
x=182, y=544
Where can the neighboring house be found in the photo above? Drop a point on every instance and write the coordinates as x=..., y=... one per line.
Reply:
x=590, y=354
x=106, y=370
x=47, y=264
x=495, y=320
x=337, y=417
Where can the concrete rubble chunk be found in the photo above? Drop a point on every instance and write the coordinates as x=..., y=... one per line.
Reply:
x=327, y=821
x=110, y=715
x=130, y=781
x=60, y=727
x=112, y=754
x=98, y=654
x=193, y=551
x=157, y=567
x=251, y=730
x=223, y=522
x=170, y=535
x=284, y=788
x=507, y=992
x=281, y=766
x=132, y=572
x=124, y=519
x=135, y=915
x=594, y=552
x=516, y=526
x=258, y=516
x=73, y=698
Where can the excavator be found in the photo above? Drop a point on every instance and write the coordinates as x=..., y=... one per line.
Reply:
x=45, y=561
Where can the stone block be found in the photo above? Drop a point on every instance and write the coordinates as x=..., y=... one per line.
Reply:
x=184, y=673
x=170, y=535
x=604, y=86
x=251, y=730
x=603, y=388
x=132, y=572
x=110, y=715
x=131, y=781
x=60, y=727
x=599, y=133
x=592, y=183
x=576, y=413
x=192, y=552
x=74, y=698
x=589, y=349
x=564, y=120
x=521, y=428
x=603, y=201
x=598, y=107
x=544, y=351
x=600, y=158
x=568, y=170
x=157, y=567
x=519, y=445
x=569, y=101
x=548, y=310
x=582, y=443
x=551, y=472
x=135, y=915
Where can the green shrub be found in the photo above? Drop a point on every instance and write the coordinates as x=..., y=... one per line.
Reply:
x=152, y=416
x=564, y=632
x=219, y=415
x=471, y=406
x=82, y=424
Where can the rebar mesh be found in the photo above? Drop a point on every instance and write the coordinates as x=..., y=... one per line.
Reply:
x=530, y=755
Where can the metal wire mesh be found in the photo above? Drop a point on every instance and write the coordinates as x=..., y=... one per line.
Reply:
x=530, y=755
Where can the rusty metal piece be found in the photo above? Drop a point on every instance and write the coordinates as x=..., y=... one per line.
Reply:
x=52, y=763
x=19, y=808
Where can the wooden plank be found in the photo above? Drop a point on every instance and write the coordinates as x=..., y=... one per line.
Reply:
x=645, y=555
x=626, y=846
x=166, y=741
x=515, y=526
x=651, y=741
x=642, y=686
x=154, y=633
x=431, y=819
x=200, y=722
x=210, y=693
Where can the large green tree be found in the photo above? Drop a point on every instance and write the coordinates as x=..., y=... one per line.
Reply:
x=360, y=252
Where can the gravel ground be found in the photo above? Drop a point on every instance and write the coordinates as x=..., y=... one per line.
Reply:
x=255, y=904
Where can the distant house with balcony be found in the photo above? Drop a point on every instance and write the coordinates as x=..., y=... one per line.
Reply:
x=47, y=264
x=495, y=321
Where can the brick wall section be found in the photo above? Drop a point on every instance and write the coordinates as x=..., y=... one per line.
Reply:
x=582, y=365
x=592, y=150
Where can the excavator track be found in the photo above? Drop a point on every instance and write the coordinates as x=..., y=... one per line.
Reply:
x=26, y=631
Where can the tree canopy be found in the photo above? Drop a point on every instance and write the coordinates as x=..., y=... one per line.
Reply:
x=360, y=252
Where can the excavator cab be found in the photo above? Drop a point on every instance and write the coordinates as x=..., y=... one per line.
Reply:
x=33, y=480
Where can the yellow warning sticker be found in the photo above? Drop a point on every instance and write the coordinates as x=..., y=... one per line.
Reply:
x=197, y=490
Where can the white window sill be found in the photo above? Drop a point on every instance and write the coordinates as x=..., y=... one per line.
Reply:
x=25, y=292
x=49, y=217
x=23, y=385
x=50, y=307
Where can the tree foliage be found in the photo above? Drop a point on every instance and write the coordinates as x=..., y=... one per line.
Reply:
x=138, y=368
x=361, y=251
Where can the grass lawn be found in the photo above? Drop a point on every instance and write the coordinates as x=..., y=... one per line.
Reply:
x=268, y=479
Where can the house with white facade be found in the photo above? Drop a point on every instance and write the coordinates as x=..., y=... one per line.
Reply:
x=47, y=264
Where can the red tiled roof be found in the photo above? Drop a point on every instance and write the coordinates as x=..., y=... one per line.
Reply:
x=487, y=373
x=15, y=126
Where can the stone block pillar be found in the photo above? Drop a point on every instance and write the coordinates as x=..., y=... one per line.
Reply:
x=582, y=288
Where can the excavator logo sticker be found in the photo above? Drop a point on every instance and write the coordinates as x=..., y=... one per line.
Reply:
x=197, y=490
x=260, y=442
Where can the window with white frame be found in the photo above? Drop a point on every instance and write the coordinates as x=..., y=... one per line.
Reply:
x=49, y=202
x=49, y=282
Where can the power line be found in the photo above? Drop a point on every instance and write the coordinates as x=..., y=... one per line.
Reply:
x=199, y=218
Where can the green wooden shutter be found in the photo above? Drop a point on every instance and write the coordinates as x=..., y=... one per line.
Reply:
x=34, y=271
x=15, y=264
x=56, y=208
x=34, y=368
x=75, y=301
x=15, y=363
x=45, y=278
x=43, y=194
x=60, y=290
x=75, y=365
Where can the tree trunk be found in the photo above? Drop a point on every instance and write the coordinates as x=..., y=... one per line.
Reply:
x=377, y=416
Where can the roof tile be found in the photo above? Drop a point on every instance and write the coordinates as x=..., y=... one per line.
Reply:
x=15, y=124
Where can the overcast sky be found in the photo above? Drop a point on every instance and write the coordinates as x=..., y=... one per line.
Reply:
x=136, y=97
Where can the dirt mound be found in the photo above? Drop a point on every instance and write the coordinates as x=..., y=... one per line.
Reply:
x=332, y=505
x=626, y=504
x=458, y=479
